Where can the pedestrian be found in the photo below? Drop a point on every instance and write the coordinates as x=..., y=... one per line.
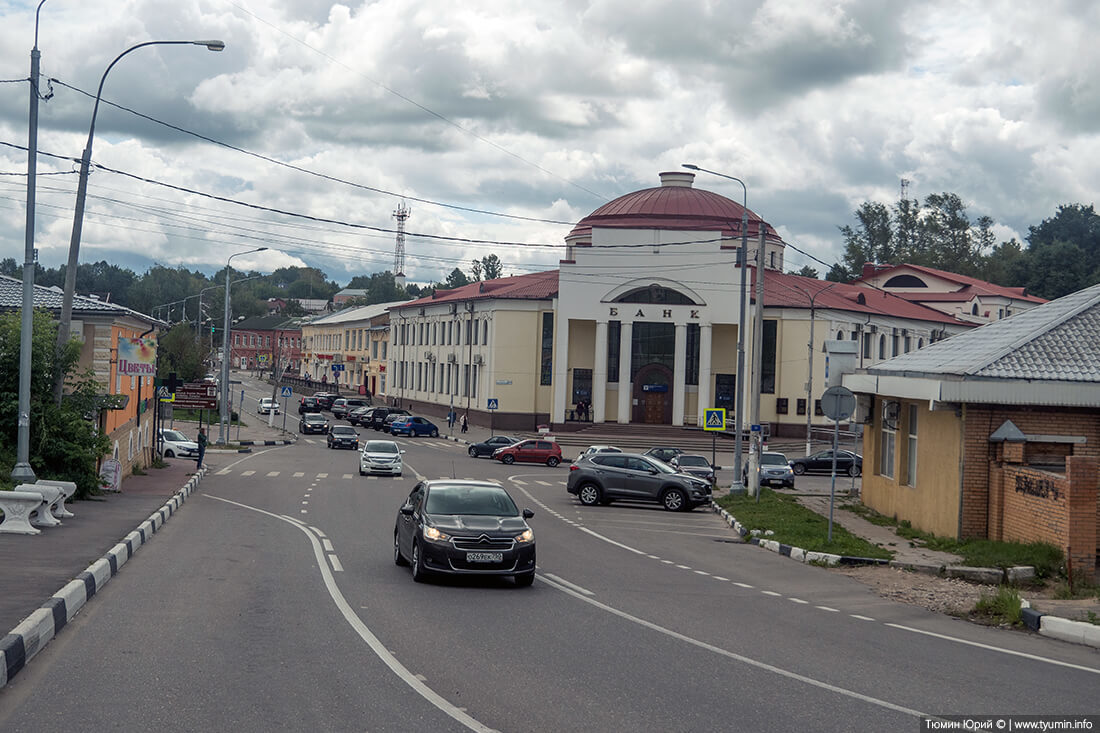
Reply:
x=451, y=418
x=465, y=423
x=202, y=446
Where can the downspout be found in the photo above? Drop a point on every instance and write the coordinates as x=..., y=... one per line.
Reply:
x=143, y=456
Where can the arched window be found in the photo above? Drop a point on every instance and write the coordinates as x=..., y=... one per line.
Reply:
x=920, y=343
x=656, y=294
x=905, y=281
x=974, y=310
x=839, y=335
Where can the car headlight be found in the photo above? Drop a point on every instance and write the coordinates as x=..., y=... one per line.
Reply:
x=433, y=534
x=528, y=536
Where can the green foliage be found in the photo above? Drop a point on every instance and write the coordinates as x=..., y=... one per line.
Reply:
x=488, y=267
x=177, y=351
x=806, y=271
x=381, y=287
x=1002, y=607
x=457, y=279
x=64, y=441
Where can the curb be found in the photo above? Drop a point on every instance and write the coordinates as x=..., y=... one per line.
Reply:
x=267, y=442
x=1056, y=627
x=35, y=631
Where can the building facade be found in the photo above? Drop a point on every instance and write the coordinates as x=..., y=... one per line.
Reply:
x=262, y=342
x=357, y=342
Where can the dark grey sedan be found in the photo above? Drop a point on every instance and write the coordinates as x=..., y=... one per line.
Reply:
x=489, y=445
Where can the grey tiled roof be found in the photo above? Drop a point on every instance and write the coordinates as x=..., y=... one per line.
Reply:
x=1058, y=341
x=11, y=297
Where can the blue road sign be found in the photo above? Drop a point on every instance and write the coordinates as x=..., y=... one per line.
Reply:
x=492, y=404
x=714, y=418
x=285, y=392
x=755, y=428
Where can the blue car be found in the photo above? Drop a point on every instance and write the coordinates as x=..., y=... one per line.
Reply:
x=413, y=426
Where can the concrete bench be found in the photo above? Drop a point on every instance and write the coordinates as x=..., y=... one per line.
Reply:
x=42, y=516
x=17, y=507
x=68, y=488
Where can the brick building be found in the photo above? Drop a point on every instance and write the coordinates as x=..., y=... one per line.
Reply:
x=994, y=432
x=261, y=341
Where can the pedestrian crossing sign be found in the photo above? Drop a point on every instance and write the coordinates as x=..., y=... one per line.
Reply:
x=164, y=395
x=714, y=418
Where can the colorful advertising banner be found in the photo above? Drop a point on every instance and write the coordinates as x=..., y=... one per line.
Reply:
x=137, y=356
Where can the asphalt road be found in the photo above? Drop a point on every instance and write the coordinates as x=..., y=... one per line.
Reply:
x=271, y=602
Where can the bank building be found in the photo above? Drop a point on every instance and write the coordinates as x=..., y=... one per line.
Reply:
x=640, y=323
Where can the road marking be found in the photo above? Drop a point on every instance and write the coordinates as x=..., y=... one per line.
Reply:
x=653, y=557
x=683, y=567
x=668, y=562
x=544, y=483
x=347, y=475
x=327, y=544
x=247, y=473
x=861, y=618
x=719, y=577
x=701, y=572
x=272, y=474
x=797, y=600
x=299, y=474
x=826, y=608
x=1010, y=652
x=770, y=593
x=223, y=472
x=733, y=655
x=567, y=584
x=336, y=566
x=517, y=482
x=305, y=511
x=322, y=475
x=367, y=636
x=318, y=532
x=304, y=503
x=743, y=585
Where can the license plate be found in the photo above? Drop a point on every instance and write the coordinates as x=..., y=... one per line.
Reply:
x=484, y=557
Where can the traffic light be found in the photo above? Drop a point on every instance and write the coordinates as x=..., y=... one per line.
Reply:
x=211, y=329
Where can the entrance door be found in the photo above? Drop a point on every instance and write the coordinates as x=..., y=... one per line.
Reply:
x=653, y=401
x=655, y=407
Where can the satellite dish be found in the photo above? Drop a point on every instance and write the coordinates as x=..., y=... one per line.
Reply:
x=891, y=409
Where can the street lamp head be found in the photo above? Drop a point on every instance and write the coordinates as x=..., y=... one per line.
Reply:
x=689, y=165
x=213, y=45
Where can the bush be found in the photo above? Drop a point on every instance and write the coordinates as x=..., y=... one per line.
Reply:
x=1002, y=607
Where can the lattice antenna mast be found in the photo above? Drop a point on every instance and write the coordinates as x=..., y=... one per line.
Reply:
x=904, y=188
x=401, y=214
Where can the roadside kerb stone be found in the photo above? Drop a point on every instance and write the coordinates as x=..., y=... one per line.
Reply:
x=33, y=633
x=918, y=567
x=1019, y=573
x=797, y=553
x=986, y=576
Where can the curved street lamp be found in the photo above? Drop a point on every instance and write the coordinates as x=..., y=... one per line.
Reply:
x=739, y=403
x=81, y=195
x=223, y=419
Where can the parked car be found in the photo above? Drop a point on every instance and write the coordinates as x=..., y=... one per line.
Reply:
x=601, y=478
x=266, y=406
x=313, y=422
x=601, y=449
x=174, y=443
x=379, y=415
x=391, y=416
x=342, y=436
x=774, y=469
x=697, y=466
x=530, y=451
x=822, y=461
x=464, y=527
x=413, y=426
x=342, y=407
x=308, y=404
x=325, y=399
x=380, y=456
x=488, y=446
x=663, y=453
x=360, y=415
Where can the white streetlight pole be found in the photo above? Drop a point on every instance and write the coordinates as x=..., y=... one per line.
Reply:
x=81, y=195
x=223, y=420
x=739, y=398
x=810, y=365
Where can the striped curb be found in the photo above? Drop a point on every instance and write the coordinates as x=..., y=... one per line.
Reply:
x=34, y=632
x=267, y=442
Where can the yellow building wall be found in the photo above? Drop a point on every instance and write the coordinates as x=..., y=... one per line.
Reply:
x=932, y=504
x=516, y=346
x=582, y=353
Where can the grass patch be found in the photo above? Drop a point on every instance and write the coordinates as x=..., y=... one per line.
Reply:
x=1002, y=607
x=794, y=524
x=1081, y=589
x=1045, y=558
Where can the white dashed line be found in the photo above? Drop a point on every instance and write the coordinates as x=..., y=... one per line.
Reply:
x=517, y=482
x=719, y=577
x=336, y=566
x=861, y=618
x=327, y=544
x=683, y=567
x=653, y=557
x=826, y=608
x=797, y=600
x=770, y=593
x=742, y=585
x=347, y=475
x=305, y=511
x=701, y=572
x=544, y=483
x=304, y=503
x=223, y=472
x=668, y=562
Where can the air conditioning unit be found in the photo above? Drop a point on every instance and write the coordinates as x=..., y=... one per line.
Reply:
x=454, y=308
x=873, y=328
x=421, y=311
x=429, y=356
x=451, y=358
x=479, y=359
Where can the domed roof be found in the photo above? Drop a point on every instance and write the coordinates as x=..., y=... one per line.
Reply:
x=675, y=204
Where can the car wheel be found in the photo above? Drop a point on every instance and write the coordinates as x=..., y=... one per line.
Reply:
x=553, y=461
x=854, y=470
x=525, y=580
x=674, y=500
x=418, y=572
x=435, y=433
x=362, y=472
x=508, y=459
x=472, y=452
x=798, y=469
x=169, y=454
x=397, y=559
x=589, y=494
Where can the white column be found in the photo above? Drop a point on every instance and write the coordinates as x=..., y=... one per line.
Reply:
x=705, y=377
x=626, y=389
x=679, y=374
x=560, y=374
x=599, y=374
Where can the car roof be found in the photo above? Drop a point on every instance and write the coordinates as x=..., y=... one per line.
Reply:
x=459, y=483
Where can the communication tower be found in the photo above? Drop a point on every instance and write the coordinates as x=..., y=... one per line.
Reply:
x=401, y=214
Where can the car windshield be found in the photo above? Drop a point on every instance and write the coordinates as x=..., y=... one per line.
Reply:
x=773, y=459
x=343, y=430
x=313, y=417
x=476, y=500
x=381, y=446
x=173, y=435
x=693, y=461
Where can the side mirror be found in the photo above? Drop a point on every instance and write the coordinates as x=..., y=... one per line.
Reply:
x=527, y=514
x=402, y=450
x=652, y=472
x=407, y=510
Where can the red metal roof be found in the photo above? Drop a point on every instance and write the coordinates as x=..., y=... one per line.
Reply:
x=534, y=286
x=971, y=286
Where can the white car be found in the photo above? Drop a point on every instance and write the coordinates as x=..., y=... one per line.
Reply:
x=600, y=449
x=380, y=456
x=267, y=405
x=174, y=443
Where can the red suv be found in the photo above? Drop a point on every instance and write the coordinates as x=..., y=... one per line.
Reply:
x=530, y=451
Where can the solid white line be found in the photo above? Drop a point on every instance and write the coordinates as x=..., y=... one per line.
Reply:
x=327, y=544
x=371, y=640
x=336, y=566
x=733, y=655
x=1011, y=652
x=567, y=584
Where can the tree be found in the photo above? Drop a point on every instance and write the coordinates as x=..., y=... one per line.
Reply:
x=806, y=271
x=9, y=267
x=872, y=240
x=65, y=443
x=457, y=279
x=1064, y=252
x=177, y=351
x=492, y=267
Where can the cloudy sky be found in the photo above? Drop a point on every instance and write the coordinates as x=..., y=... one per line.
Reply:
x=501, y=122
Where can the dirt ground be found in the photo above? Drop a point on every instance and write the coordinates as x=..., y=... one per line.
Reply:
x=957, y=597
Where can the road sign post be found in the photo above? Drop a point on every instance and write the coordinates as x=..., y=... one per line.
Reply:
x=285, y=392
x=492, y=405
x=838, y=403
x=714, y=419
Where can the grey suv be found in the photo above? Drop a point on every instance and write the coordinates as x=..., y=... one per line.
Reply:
x=601, y=478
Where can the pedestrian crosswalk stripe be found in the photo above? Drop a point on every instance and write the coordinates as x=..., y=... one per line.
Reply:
x=347, y=475
x=322, y=475
x=272, y=474
x=299, y=474
x=247, y=473
x=223, y=472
